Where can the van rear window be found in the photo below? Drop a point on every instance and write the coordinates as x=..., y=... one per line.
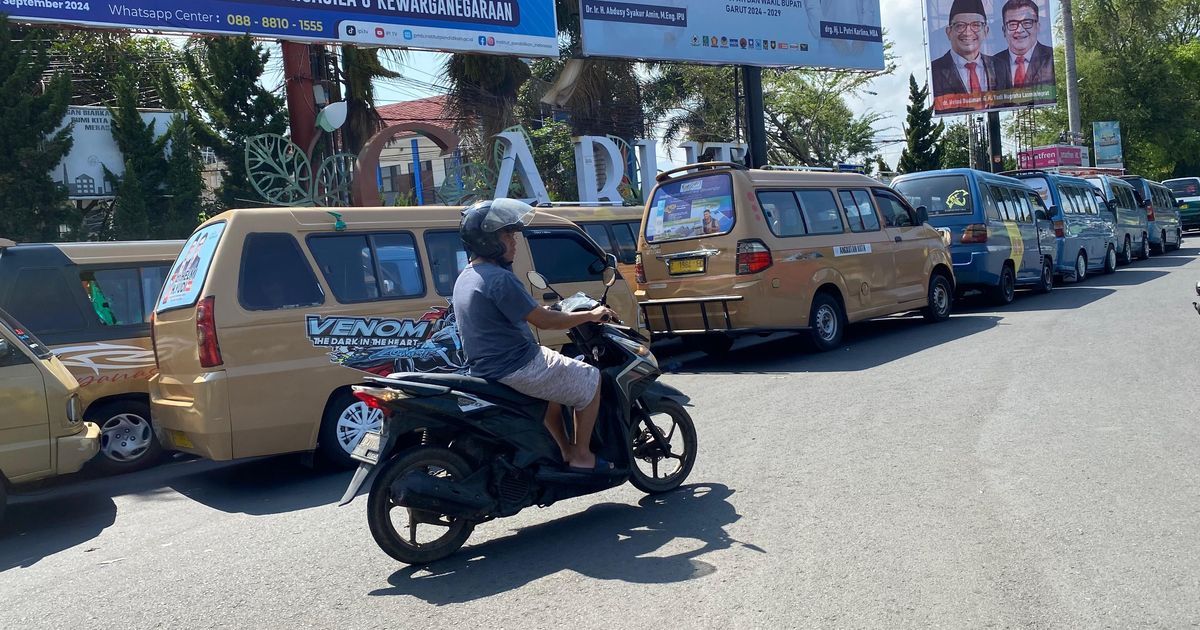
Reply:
x=1184, y=187
x=941, y=196
x=691, y=208
x=190, y=270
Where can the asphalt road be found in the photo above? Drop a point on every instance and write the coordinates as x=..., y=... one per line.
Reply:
x=1032, y=466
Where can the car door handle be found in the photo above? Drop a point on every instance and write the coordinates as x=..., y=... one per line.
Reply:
x=898, y=239
x=550, y=296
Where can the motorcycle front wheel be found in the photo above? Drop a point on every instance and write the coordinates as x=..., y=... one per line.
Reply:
x=416, y=536
x=663, y=449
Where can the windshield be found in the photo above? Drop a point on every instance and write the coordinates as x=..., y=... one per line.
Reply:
x=1189, y=187
x=1041, y=186
x=943, y=195
x=690, y=208
x=23, y=335
x=187, y=275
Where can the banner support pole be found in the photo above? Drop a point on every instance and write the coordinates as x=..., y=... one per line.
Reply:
x=997, y=149
x=756, y=127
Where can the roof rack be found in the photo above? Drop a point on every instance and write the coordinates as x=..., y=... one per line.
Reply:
x=665, y=175
x=1023, y=171
x=578, y=204
x=801, y=167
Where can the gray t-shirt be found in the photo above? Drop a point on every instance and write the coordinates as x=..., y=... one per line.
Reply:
x=490, y=306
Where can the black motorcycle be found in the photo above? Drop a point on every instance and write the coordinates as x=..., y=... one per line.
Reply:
x=455, y=451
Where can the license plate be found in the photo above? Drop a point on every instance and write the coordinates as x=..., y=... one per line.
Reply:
x=367, y=450
x=685, y=265
x=181, y=439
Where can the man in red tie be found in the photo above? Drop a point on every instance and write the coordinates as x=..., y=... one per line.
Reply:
x=964, y=75
x=1027, y=62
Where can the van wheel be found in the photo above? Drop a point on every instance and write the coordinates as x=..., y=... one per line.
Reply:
x=712, y=344
x=347, y=419
x=127, y=441
x=1126, y=252
x=826, y=322
x=941, y=299
x=1110, y=260
x=1047, y=283
x=1178, y=241
x=1006, y=290
x=1080, y=267
x=1144, y=250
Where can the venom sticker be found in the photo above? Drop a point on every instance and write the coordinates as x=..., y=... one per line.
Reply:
x=382, y=346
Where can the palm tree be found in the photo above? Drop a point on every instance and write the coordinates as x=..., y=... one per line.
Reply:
x=482, y=94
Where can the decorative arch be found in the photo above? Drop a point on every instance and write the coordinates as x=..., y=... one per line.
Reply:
x=365, y=187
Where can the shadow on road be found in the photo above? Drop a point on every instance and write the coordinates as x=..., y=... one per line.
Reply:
x=1124, y=278
x=1063, y=297
x=1183, y=252
x=271, y=485
x=609, y=541
x=867, y=345
x=1163, y=260
x=45, y=522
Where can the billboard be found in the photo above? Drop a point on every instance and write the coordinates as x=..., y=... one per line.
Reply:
x=817, y=33
x=990, y=54
x=93, y=149
x=1051, y=156
x=1107, y=139
x=528, y=28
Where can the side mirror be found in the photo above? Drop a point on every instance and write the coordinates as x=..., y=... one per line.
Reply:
x=1198, y=288
x=610, y=277
x=1053, y=211
x=922, y=215
x=1041, y=215
x=537, y=280
x=1178, y=203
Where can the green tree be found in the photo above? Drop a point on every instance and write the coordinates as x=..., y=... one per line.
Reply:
x=130, y=219
x=184, y=205
x=688, y=102
x=483, y=91
x=361, y=68
x=956, y=146
x=923, y=148
x=32, y=205
x=95, y=58
x=809, y=121
x=554, y=154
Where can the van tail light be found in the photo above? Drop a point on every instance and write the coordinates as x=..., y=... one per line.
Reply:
x=1149, y=212
x=752, y=257
x=206, y=334
x=975, y=233
x=639, y=269
x=1060, y=229
x=154, y=341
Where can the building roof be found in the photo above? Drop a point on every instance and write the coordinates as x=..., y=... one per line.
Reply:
x=431, y=110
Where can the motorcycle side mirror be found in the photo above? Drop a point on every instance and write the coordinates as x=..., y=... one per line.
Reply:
x=537, y=280
x=1198, y=288
x=610, y=277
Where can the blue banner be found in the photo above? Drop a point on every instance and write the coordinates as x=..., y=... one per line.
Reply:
x=521, y=27
x=1107, y=139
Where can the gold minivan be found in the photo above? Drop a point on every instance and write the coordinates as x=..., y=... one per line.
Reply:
x=270, y=315
x=725, y=251
x=42, y=433
x=614, y=227
x=91, y=304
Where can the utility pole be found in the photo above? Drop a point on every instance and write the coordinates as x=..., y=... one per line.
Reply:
x=1072, y=75
x=298, y=83
x=994, y=141
x=756, y=127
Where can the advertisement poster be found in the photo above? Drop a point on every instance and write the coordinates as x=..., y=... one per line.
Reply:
x=990, y=54
x=93, y=149
x=383, y=346
x=528, y=28
x=187, y=275
x=1051, y=156
x=694, y=207
x=1107, y=139
x=771, y=33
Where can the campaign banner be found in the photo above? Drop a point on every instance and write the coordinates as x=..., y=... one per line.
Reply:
x=528, y=28
x=1107, y=138
x=93, y=150
x=769, y=33
x=990, y=55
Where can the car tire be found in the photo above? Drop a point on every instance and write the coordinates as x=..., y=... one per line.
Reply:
x=1081, y=269
x=345, y=421
x=1144, y=250
x=1126, y=252
x=1005, y=291
x=940, y=301
x=1110, y=260
x=127, y=440
x=826, y=322
x=1047, y=283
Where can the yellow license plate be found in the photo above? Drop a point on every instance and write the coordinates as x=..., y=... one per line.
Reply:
x=181, y=439
x=685, y=265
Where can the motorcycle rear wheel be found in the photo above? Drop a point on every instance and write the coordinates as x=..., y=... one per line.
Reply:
x=381, y=508
x=680, y=435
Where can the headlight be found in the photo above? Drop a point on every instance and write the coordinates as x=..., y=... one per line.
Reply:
x=634, y=347
x=73, y=409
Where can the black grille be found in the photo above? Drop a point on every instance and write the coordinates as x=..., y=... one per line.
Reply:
x=513, y=489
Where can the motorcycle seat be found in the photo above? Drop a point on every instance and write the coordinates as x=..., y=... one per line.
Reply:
x=470, y=385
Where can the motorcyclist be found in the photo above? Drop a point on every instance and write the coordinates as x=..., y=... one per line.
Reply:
x=493, y=309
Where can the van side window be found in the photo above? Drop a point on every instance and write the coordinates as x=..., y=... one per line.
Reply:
x=1002, y=203
x=275, y=274
x=14, y=356
x=821, y=213
x=895, y=213
x=122, y=297
x=626, y=243
x=447, y=259
x=563, y=256
x=1022, y=201
x=40, y=299
x=399, y=270
x=991, y=204
x=859, y=211
x=1125, y=198
x=599, y=234
x=361, y=268
x=782, y=212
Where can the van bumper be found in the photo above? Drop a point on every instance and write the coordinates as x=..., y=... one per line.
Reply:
x=76, y=450
x=713, y=315
x=198, y=425
x=971, y=269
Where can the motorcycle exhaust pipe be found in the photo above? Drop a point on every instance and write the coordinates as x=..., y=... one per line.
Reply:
x=419, y=491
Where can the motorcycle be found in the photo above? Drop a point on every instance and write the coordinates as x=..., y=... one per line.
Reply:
x=456, y=451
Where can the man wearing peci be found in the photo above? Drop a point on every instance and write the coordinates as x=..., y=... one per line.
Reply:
x=1026, y=62
x=964, y=69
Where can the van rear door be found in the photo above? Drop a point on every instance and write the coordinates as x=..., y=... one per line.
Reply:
x=176, y=345
x=683, y=222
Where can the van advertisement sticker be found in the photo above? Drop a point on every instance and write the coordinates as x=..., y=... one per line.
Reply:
x=187, y=275
x=852, y=250
x=384, y=345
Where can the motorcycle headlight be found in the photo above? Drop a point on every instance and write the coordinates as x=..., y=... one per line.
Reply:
x=635, y=347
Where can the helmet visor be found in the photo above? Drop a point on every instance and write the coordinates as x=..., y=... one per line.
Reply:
x=507, y=213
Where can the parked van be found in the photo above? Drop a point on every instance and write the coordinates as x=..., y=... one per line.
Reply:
x=1084, y=228
x=91, y=303
x=1187, y=194
x=269, y=315
x=614, y=227
x=1132, y=227
x=42, y=432
x=726, y=251
x=1166, y=231
x=1000, y=235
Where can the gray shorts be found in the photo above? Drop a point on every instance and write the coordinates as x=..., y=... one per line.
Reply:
x=558, y=378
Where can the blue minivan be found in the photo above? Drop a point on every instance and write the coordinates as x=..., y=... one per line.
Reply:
x=1083, y=226
x=999, y=232
x=1129, y=217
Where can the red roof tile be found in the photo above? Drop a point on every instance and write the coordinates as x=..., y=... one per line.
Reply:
x=430, y=110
